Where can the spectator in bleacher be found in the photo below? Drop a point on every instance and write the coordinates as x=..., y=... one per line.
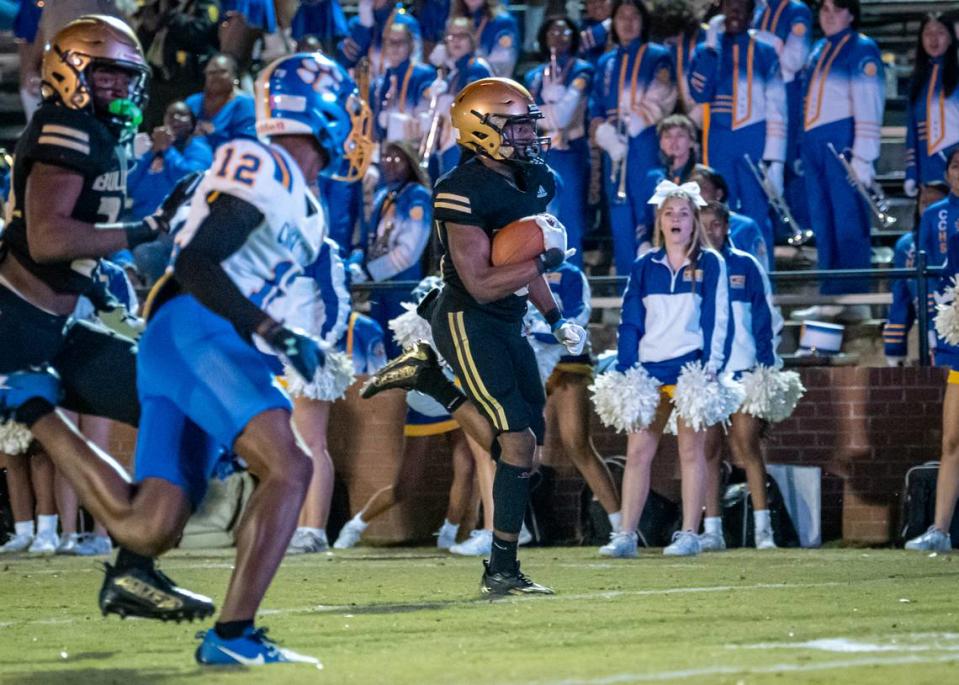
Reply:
x=322, y=20
x=561, y=85
x=458, y=66
x=744, y=233
x=740, y=79
x=944, y=218
x=787, y=26
x=902, y=312
x=179, y=37
x=678, y=25
x=223, y=111
x=933, y=113
x=174, y=152
x=634, y=87
x=367, y=31
x=677, y=153
x=844, y=84
x=396, y=235
x=495, y=31
x=756, y=326
x=397, y=95
x=595, y=30
x=243, y=23
x=29, y=53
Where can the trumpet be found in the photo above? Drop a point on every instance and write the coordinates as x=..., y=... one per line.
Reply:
x=553, y=75
x=429, y=141
x=798, y=235
x=874, y=197
x=617, y=173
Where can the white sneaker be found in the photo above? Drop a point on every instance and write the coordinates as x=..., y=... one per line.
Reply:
x=70, y=543
x=525, y=537
x=933, y=540
x=446, y=536
x=307, y=541
x=98, y=546
x=85, y=545
x=479, y=544
x=819, y=312
x=685, y=544
x=621, y=545
x=17, y=543
x=45, y=543
x=712, y=542
x=764, y=539
x=349, y=535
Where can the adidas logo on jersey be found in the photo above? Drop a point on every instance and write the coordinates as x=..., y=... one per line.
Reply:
x=541, y=192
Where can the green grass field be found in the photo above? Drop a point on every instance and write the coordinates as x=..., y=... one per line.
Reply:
x=414, y=616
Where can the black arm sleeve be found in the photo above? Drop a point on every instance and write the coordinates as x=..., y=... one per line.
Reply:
x=197, y=267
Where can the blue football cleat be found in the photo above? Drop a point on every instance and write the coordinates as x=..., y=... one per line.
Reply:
x=17, y=388
x=253, y=648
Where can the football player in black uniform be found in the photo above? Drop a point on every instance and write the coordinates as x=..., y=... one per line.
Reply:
x=476, y=319
x=69, y=185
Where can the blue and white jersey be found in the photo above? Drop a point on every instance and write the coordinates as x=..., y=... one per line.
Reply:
x=497, y=40
x=363, y=343
x=741, y=81
x=932, y=128
x=757, y=322
x=947, y=354
x=746, y=235
x=594, y=38
x=367, y=40
x=398, y=232
x=399, y=91
x=844, y=83
x=681, y=49
x=288, y=238
x=938, y=224
x=562, y=98
x=331, y=303
x=637, y=83
x=671, y=317
x=902, y=313
x=787, y=26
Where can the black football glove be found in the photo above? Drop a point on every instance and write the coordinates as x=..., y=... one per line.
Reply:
x=296, y=348
x=150, y=228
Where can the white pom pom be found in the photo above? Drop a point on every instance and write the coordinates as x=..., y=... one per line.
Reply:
x=771, y=394
x=330, y=382
x=947, y=318
x=626, y=401
x=702, y=401
x=410, y=328
x=15, y=438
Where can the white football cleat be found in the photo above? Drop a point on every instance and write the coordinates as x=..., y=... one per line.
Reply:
x=479, y=544
x=685, y=544
x=621, y=545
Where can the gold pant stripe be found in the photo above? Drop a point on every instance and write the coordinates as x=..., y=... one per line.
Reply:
x=473, y=378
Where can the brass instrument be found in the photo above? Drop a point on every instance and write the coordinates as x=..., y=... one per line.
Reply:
x=428, y=143
x=553, y=74
x=622, y=164
x=798, y=235
x=873, y=195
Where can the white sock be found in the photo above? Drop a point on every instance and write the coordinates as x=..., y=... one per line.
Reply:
x=454, y=526
x=47, y=524
x=616, y=520
x=762, y=520
x=24, y=528
x=713, y=525
x=359, y=522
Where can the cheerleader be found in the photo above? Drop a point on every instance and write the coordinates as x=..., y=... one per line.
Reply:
x=495, y=31
x=397, y=95
x=396, y=235
x=567, y=378
x=459, y=66
x=756, y=325
x=933, y=116
x=739, y=77
x=561, y=86
x=367, y=31
x=672, y=341
x=325, y=316
x=634, y=87
x=844, y=88
x=946, y=216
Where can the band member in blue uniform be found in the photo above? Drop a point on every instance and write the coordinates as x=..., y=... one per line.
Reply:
x=561, y=87
x=368, y=30
x=595, y=29
x=397, y=94
x=679, y=23
x=495, y=31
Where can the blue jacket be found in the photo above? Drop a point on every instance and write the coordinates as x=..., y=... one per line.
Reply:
x=237, y=119
x=788, y=23
x=756, y=320
x=324, y=19
x=432, y=15
x=937, y=230
x=363, y=342
x=154, y=175
x=668, y=320
x=745, y=235
x=564, y=115
x=902, y=313
x=742, y=83
x=367, y=41
x=330, y=275
x=681, y=51
x=399, y=89
x=499, y=42
x=932, y=128
x=594, y=39
x=572, y=293
x=946, y=354
x=398, y=232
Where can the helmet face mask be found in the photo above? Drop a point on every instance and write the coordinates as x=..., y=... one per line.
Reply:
x=496, y=117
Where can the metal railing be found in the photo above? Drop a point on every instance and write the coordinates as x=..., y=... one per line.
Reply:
x=921, y=272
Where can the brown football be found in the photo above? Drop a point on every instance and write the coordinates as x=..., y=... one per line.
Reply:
x=518, y=241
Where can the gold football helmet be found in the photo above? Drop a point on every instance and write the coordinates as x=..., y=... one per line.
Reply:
x=483, y=114
x=89, y=41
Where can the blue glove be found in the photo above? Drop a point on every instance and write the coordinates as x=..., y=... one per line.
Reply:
x=297, y=349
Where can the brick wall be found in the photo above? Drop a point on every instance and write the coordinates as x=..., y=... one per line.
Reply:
x=863, y=426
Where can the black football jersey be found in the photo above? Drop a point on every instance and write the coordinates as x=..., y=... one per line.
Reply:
x=475, y=195
x=79, y=142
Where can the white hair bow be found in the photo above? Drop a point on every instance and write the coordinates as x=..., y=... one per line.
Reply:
x=667, y=188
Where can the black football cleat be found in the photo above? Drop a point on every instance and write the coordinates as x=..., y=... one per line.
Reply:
x=149, y=593
x=406, y=372
x=502, y=584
